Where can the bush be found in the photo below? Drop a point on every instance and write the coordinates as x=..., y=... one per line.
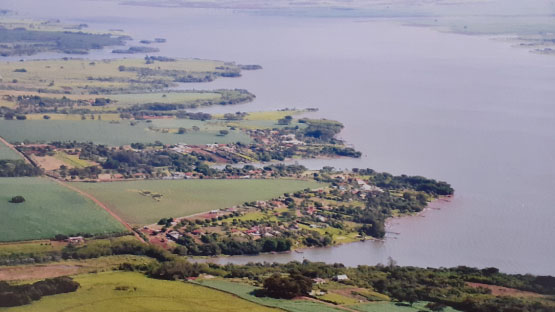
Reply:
x=17, y=199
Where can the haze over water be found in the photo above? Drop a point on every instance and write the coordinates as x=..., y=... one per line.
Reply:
x=469, y=110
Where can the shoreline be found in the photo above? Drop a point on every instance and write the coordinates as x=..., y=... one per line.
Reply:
x=301, y=250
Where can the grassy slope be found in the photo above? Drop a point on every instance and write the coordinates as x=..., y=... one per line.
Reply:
x=8, y=153
x=103, y=132
x=184, y=197
x=49, y=209
x=97, y=293
x=244, y=291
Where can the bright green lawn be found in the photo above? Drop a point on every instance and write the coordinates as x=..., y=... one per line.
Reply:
x=49, y=209
x=8, y=153
x=245, y=291
x=185, y=197
x=114, y=134
x=138, y=293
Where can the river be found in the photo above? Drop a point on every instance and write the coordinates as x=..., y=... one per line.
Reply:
x=469, y=110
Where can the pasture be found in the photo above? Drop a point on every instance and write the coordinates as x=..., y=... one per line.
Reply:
x=245, y=291
x=113, y=134
x=49, y=209
x=184, y=197
x=127, y=291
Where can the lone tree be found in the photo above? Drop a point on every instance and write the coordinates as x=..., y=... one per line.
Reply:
x=287, y=287
x=17, y=199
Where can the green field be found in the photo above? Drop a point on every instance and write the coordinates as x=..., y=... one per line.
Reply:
x=184, y=197
x=394, y=307
x=114, y=134
x=8, y=153
x=245, y=291
x=49, y=209
x=167, y=97
x=80, y=76
x=126, y=291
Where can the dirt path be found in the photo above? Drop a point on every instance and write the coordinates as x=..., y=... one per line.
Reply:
x=506, y=291
x=99, y=203
x=87, y=195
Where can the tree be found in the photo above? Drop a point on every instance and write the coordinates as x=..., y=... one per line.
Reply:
x=287, y=287
x=17, y=199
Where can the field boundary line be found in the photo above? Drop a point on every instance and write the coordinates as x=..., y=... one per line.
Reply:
x=99, y=203
x=13, y=148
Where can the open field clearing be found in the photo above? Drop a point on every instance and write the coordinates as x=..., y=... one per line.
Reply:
x=125, y=291
x=184, y=197
x=166, y=97
x=8, y=153
x=272, y=115
x=393, y=307
x=245, y=291
x=114, y=134
x=74, y=117
x=80, y=76
x=10, y=98
x=32, y=272
x=49, y=209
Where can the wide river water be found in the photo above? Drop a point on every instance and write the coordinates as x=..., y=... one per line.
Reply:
x=469, y=110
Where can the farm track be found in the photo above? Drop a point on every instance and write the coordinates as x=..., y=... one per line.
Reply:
x=10, y=146
x=99, y=203
x=82, y=193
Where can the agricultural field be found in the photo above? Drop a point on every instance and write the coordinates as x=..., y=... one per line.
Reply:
x=113, y=134
x=20, y=37
x=8, y=153
x=81, y=76
x=49, y=209
x=147, y=201
x=245, y=291
x=163, y=97
x=33, y=272
x=127, y=291
x=394, y=307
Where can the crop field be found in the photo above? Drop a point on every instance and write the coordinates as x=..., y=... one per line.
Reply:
x=393, y=307
x=7, y=153
x=74, y=117
x=108, y=133
x=184, y=197
x=80, y=75
x=127, y=291
x=34, y=272
x=272, y=115
x=245, y=291
x=49, y=209
x=73, y=161
x=162, y=97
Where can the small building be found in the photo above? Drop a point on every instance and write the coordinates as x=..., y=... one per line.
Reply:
x=341, y=277
x=173, y=235
x=319, y=281
x=75, y=240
